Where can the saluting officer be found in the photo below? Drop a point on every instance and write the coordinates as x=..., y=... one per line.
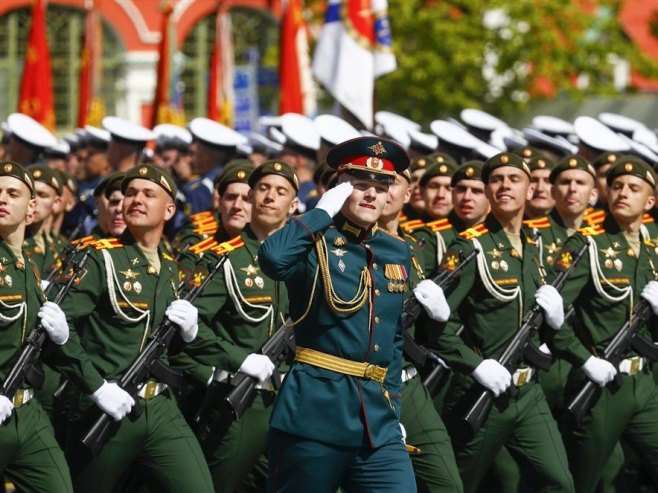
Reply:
x=29, y=453
x=239, y=311
x=126, y=291
x=489, y=299
x=336, y=418
x=618, y=268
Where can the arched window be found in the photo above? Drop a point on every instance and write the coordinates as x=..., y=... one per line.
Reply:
x=65, y=37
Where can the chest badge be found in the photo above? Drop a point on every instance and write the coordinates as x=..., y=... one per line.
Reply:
x=339, y=241
x=250, y=270
x=341, y=265
x=495, y=254
x=129, y=274
x=135, y=261
x=137, y=287
x=259, y=282
x=8, y=280
x=339, y=252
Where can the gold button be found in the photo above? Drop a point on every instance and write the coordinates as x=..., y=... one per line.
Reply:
x=630, y=252
x=377, y=292
x=375, y=266
x=376, y=320
x=376, y=347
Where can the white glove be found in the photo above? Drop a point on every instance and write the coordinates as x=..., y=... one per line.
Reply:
x=599, y=370
x=185, y=315
x=545, y=349
x=6, y=407
x=258, y=366
x=333, y=199
x=54, y=321
x=431, y=296
x=551, y=302
x=404, y=433
x=650, y=293
x=493, y=376
x=113, y=400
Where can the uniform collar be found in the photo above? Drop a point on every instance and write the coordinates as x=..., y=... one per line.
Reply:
x=456, y=223
x=346, y=226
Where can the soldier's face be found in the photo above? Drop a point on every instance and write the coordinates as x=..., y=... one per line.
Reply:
x=541, y=201
x=574, y=190
x=16, y=204
x=272, y=200
x=469, y=201
x=146, y=205
x=601, y=183
x=110, y=213
x=629, y=197
x=47, y=201
x=367, y=201
x=437, y=194
x=507, y=190
x=235, y=208
x=398, y=195
x=416, y=200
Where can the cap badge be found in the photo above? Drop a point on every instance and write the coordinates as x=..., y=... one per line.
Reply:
x=54, y=182
x=378, y=148
x=443, y=168
x=165, y=183
x=504, y=159
x=374, y=163
x=277, y=166
x=573, y=163
x=628, y=167
x=527, y=153
x=421, y=163
x=541, y=163
x=8, y=168
x=143, y=170
x=37, y=174
x=612, y=158
x=469, y=171
x=439, y=159
x=241, y=174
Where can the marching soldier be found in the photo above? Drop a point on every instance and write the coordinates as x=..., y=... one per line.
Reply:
x=126, y=291
x=239, y=311
x=434, y=465
x=489, y=299
x=336, y=418
x=618, y=269
x=541, y=202
x=29, y=455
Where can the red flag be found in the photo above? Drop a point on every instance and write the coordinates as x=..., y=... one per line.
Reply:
x=36, y=96
x=296, y=91
x=220, y=81
x=165, y=107
x=87, y=65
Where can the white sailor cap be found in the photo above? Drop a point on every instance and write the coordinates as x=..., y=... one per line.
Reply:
x=453, y=134
x=4, y=126
x=557, y=144
x=422, y=141
x=481, y=119
x=640, y=150
x=598, y=136
x=60, y=149
x=334, y=129
x=123, y=129
x=505, y=138
x=96, y=135
x=646, y=136
x=73, y=140
x=620, y=123
x=29, y=130
x=214, y=133
x=277, y=136
x=385, y=118
x=260, y=143
x=552, y=125
x=267, y=121
x=300, y=132
x=168, y=134
x=397, y=131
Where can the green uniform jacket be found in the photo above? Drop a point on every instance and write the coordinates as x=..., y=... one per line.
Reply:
x=490, y=320
x=239, y=309
x=44, y=258
x=322, y=404
x=111, y=316
x=618, y=270
x=21, y=297
x=434, y=237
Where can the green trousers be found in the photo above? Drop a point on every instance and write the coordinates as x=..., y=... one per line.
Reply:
x=526, y=427
x=631, y=412
x=29, y=454
x=435, y=467
x=159, y=443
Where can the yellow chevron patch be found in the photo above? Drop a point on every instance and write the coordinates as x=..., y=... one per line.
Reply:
x=203, y=245
x=474, y=232
x=539, y=223
x=439, y=225
x=594, y=216
x=228, y=246
x=593, y=230
x=412, y=225
x=107, y=243
x=647, y=219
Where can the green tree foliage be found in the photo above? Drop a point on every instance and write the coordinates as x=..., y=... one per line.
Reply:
x=530, y=49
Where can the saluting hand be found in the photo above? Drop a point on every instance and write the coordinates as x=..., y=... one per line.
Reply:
x=186, y=316
x=333, y=199
x=6, y=407
x=54, y=321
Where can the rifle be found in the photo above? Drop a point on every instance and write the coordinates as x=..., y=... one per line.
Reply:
x=67, y=254
x=244, y=391
x=614, y=352
x=147, y=363
x=518, y=348
x=423, y=359
x=23, y=367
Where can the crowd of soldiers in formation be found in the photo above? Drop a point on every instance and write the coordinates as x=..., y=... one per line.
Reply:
x=79, y=190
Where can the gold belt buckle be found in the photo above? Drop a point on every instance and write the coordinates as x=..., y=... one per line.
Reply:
x=19, y=396
x=369, y=371
x=635, y=365
x=149, y=393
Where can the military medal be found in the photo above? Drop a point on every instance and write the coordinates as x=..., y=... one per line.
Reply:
x=137, y=287
x=259, y=282
x=2, y=281
x=341, y=265
x=248, y=282
x=397, y=276
x=127, y=286
x=8, y=280
x=504, y=266
x=608, y=263
x=618, y=265
x=495, y=265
